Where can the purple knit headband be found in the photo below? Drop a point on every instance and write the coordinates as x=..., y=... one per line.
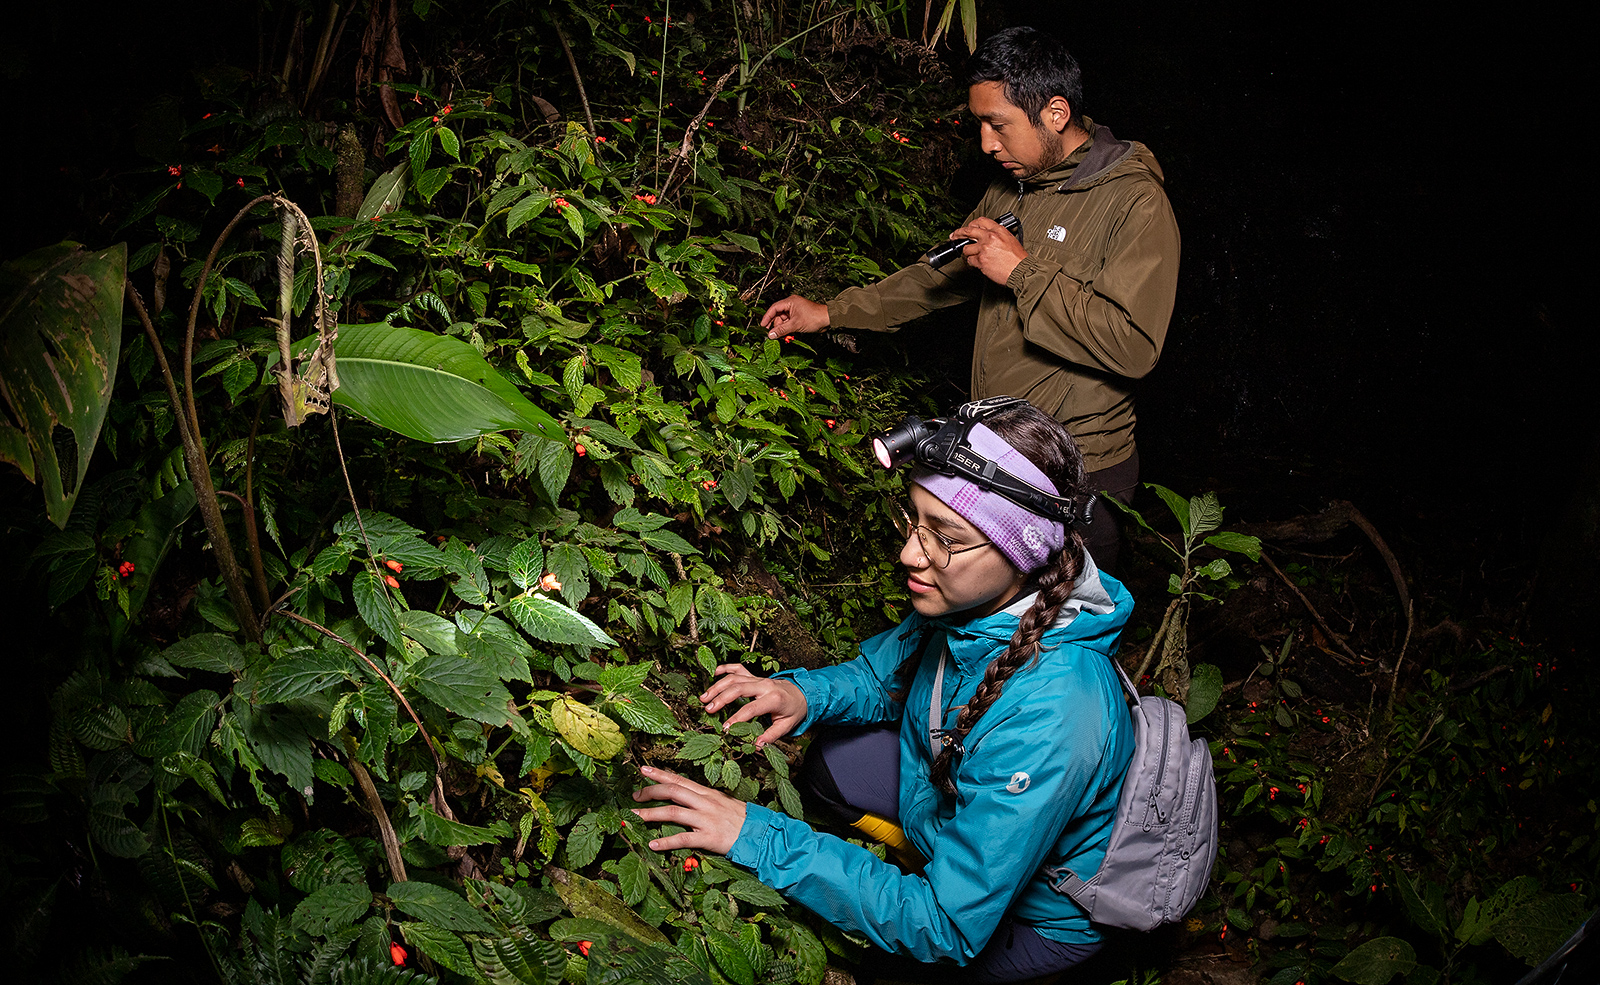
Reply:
x=1025, y=538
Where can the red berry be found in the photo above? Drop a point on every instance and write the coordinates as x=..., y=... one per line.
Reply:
x=391, y=581
x=394, y=565
x=580, y=450
x=397, y=954
x=583, y=947
x=690, y=864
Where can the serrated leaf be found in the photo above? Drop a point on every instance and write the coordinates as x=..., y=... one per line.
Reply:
x=434, y=632
x=590, y=902
x=376, y=609
x=206, y=651
x=321, y=858
x=700, y=746
x=633, y=876
x=1216, y=569
x=549, y=621
x=438, y=906
x=462, y=686
x=756, y=892
x=1377, y=961
x=300, y=674
x=645, y=712
x=439, y=943
x=666, y=540
x=491, y=641
x=436, y=829
x=585, y=729
x=1205, y=514
x=585, y=840
x=730, y=958
x=519, y=959
x=1536, y=928
x=333, y=907
x=665, y=284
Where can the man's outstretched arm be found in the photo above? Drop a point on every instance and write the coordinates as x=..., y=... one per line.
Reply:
x=794, y=315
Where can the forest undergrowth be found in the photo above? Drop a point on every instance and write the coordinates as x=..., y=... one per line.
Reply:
x=352, y=684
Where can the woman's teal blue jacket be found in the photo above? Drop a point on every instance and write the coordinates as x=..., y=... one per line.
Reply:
x=1037, y=785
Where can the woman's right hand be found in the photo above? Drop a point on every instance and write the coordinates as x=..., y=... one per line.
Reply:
x=781, y=699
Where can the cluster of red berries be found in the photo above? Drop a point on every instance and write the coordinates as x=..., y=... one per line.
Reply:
x=646, y=199
x=396, y=567
x=125, y=569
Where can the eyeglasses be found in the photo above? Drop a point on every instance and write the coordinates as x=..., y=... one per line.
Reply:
x=935, y=547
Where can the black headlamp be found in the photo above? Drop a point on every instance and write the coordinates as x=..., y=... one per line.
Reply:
x=941, y=445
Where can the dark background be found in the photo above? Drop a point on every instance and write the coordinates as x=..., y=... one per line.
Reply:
x=1384, y=219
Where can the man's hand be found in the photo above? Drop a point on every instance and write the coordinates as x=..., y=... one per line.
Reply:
x=712, y=817
x=994, y=251
x=779, y=698
x=794, y=315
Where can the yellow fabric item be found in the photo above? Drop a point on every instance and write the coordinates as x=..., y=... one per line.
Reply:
x=891, y=834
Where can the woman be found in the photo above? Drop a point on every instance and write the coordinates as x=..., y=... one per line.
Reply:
x=1009, y=649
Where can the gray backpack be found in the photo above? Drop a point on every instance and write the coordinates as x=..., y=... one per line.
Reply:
x=1164, y=838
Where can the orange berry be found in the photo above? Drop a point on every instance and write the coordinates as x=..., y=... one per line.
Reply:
x=580, y=450
x=690, y=864
x=394, y=565
x=583, y=947
x=391, y=581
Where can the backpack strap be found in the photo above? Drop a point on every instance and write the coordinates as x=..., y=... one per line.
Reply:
x=938, y=735
x=1062, y=879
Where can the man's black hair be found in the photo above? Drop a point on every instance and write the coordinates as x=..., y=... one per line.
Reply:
x=1034, y=68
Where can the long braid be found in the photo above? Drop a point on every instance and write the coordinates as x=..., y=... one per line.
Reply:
x=1047, y=445
x=1056, y=581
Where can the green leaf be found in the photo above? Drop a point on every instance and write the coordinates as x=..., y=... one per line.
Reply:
x=436, y=829
x=1216, y=570
x=1536, y=928
x=1205, y=513
x=590, y=902
x=645, y=712
x=439, y=943
x=430, y=181
x=549, y=621
x=282, y=741
x=633, y=875
x=206, y=651
x=435, y=632
x=1507, y=898
x=1177, y=504
x=1377, y=961
x=1426, y=907
x=756, y=892
x=438, y=906
x=526, y=563
x=665, y=284
x=464, y=687
x=526, y=209
x=1205, y=688
x=387, y=192
x=585, y=840
x=300, y=674
x=1244, y=544
x=331, y=908
x=585, y=729
x=619, y=678
x=488, y=640
x=427, y=387
x=321, y=858
x=450, y=142
x=519, y=959
x=60, y=339
x=666, y=540
x=700, y=746
x=376, y=608
x=632, y=519
x=730, y=958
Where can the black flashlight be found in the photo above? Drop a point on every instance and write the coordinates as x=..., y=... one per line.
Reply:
x=898, y=445
x=950, y=249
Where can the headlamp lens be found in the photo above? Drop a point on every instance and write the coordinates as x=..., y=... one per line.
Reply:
x=880, y=451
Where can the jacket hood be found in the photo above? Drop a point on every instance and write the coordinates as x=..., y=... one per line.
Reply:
x=1093, y=616
x=1101, y=158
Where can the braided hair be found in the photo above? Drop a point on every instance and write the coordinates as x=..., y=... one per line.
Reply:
x=1047, y=445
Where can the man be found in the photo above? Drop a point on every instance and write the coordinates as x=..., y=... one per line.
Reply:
x=1070, y=320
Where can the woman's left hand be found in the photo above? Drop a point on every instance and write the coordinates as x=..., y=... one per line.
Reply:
x=712, y=817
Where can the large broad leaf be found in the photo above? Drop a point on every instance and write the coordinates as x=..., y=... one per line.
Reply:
x=1377, y=961
x=439, y=906
x=551, y=622
x=589, y=902
x=428, y=387
x=465, y=687
x=60, y=338
x=585, y=729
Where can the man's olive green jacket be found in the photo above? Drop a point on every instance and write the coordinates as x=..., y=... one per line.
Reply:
x=1083, y=315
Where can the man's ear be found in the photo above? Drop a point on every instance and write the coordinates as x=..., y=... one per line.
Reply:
x=1056, y=115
